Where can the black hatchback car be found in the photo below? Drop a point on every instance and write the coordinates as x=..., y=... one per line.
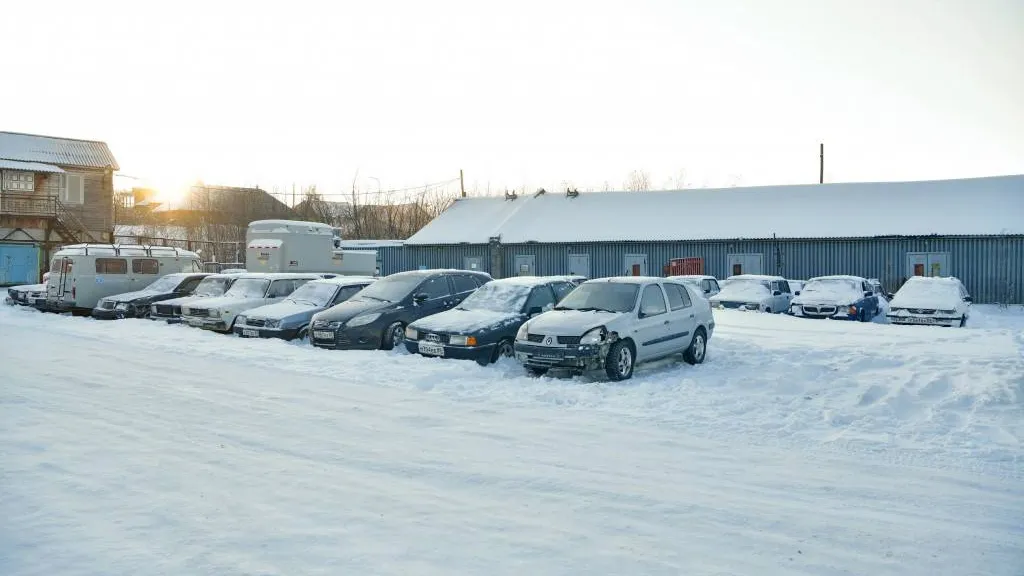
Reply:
x=483, y=327
x=376, y=317
x=137, y=304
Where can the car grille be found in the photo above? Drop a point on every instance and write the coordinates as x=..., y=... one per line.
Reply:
x=820, y=310
x=108, y=305
x=199, y=312
x=437, y=338
x=921, y=311
x=167, y=310
x=570, y=340
x=256, y=322
x=535, y=337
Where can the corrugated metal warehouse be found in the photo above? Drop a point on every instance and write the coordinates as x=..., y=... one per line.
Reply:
x=971, y=228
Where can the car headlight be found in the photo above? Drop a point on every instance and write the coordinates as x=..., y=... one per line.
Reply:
x=523, y=331
x=458, y=340
x=152, y=309
x=334, y=324
x=272, y=323
x=121, y=306
x=364, y=319
x=241, y=320
x=595, y=336
x=411, y=333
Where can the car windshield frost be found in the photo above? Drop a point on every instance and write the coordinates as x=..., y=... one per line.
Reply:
x=165, y=284
x=248, y=288
x=601, y=296
x=391, y=289
x=212, y=287
x=497, y=297
x=313, y=294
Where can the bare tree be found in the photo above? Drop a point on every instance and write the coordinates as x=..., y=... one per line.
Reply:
x=638, y=181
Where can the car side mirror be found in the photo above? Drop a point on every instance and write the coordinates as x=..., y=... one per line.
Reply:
x=777, y=293
x=869, y=293
x=271, y=295
x=707, y=290
x=535, y=310
x=419, y=298
x=797, y=293
x=890, y=295
x=968, y=299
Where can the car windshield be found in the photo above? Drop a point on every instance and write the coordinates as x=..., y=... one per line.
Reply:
x=601, y=296
x=248, y=288
x=165, y=284
x=391, y=289
x=314, y=294
x=212, y=287
x=831, y=285
x=745, y=287
x=498, y=297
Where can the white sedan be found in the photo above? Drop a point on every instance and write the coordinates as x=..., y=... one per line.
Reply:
x=931, y=302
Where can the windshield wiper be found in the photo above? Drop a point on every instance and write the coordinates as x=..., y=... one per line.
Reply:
x=587, y=309
x=374, y=298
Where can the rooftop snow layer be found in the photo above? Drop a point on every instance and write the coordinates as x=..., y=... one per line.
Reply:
x=975, y=206
x=53, y=150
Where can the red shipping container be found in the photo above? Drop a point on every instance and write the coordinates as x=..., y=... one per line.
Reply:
x=685, y=266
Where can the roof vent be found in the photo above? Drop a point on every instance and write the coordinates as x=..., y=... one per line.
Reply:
x=511, y=195
x=539, y=192
x=572, y=193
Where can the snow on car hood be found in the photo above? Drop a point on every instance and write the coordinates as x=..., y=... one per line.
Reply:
x=130, y=296
x=742, y=292
x=457, y=321
x=571, y=322
x=930, y=295
x=282, y=310
x=29, y=288
x=228, y=302
x=839, y=293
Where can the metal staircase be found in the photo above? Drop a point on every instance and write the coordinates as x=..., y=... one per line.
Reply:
x=69, y=226
x=63, y=221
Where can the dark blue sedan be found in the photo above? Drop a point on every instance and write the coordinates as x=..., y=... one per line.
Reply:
x=483, y=327
x=837, y=298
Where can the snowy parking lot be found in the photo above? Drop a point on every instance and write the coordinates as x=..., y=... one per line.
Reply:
x=799, y=447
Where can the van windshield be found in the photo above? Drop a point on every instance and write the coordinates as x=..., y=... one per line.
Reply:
x=249, y=288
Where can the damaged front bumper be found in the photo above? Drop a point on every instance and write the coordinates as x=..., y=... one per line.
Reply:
x=580, y=358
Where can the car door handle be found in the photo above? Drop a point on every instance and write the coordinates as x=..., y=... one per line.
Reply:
x=691, y=315
x=665, y=322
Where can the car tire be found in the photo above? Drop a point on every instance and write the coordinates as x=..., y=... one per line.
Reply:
x=303, y=333
x=862, y=315
x=503, y=348
x=698, y=349
x=768, y=310
x=535, y=371
x=394, y=334
x=620, y=361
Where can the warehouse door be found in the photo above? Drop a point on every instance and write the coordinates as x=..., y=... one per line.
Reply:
x=475, y=263
x=927, y=264
x=579, y=265
x=526, y=265
x=19, y=264
x=636, y=265
x=744, y=264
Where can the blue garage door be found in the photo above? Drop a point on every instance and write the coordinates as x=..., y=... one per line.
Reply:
x=19, y=264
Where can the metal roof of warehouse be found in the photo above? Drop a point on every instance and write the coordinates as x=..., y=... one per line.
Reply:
x=53, y=150
x=966, y=207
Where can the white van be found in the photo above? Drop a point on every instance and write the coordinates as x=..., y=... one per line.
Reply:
x=295, y=246
x=81, y=274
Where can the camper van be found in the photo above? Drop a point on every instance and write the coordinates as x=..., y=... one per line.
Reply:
x=81, y=274
x=295, y=246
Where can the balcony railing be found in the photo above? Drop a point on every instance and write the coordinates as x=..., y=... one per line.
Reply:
x=28, y=205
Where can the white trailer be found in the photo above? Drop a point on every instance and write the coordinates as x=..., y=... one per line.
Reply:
x=296, y=246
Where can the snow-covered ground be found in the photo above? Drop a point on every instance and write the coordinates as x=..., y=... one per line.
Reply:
x=799, y=447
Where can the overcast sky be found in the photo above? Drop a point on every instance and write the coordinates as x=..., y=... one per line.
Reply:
x=525, y=93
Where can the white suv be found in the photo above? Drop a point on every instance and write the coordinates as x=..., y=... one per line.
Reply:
x=615, y=323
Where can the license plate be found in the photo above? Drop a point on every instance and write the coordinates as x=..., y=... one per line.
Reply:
x=549, y=356
x=913, y=320
x=430, y=349
x=323, y=335
x=195, y=323
x=250, y=333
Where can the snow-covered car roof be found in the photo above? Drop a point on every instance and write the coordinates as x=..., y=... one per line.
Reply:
x=278, y=275
x=691, y=277
x=759, y=277
x=346, y=280
x=839, y=277
x=626, y=280
x=438, y=271
x=928, y=292
x=530, y=281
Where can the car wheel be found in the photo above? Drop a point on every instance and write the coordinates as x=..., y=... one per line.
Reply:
x=504, y=349
x=394, y=334
x=768, y=310
x=535, y=371
x=862, y=315
x=303, y=333
x=698, y=348
x=619, y=363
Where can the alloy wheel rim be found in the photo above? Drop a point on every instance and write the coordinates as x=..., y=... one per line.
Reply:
x=506, y=350
x=698, y=347
x=625, y=360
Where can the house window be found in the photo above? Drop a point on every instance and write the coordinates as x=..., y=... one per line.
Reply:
x=74, y=189
x=16, y=181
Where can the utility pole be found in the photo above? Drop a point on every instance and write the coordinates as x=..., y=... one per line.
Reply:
x=293, y=195
x=821, y=164
x=462, y=183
